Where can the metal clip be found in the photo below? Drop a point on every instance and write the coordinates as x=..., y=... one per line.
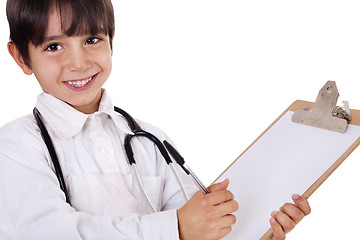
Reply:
x=343, y=112
x=325, y=113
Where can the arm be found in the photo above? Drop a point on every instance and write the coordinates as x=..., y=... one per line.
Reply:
x=38, y=210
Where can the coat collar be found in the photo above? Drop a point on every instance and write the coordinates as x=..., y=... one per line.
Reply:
x=66, y=122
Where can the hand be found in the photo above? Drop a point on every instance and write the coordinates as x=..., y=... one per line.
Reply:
x=285, y=220
x=208, y=216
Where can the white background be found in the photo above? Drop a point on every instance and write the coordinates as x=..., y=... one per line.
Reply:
x=215, y=74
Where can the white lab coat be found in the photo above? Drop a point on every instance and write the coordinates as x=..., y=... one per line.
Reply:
x=106, y=202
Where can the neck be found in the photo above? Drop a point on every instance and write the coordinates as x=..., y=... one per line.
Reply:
x=91, y=107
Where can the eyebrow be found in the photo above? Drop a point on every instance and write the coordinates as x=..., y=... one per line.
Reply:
x=52, y=38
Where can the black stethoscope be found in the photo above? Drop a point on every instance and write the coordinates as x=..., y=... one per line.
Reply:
x=164, y=147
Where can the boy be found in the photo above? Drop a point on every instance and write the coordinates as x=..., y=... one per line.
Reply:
x=67, y=45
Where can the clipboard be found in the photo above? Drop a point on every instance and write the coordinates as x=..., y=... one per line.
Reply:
x=250, y=198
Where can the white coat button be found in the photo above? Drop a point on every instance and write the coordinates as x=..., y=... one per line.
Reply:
x=103, y=150
x=98, y=118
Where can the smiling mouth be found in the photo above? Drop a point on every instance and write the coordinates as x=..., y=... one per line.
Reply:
x=80, y=83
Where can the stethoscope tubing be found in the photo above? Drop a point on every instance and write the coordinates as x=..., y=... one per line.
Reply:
x=49, y=144
x=137, y=131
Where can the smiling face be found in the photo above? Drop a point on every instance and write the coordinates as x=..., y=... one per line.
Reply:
x=70, y=68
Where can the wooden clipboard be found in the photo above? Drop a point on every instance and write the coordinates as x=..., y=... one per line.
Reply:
x=298, y=105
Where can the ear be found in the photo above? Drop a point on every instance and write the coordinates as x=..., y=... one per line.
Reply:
x=14, y=52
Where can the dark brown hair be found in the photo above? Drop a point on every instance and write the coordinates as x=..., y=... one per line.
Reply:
x=28, y=20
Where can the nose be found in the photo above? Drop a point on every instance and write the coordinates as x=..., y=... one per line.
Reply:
x=78, y=59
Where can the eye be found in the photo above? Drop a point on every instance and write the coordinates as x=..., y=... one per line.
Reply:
x=53, y=47
x=92, y=40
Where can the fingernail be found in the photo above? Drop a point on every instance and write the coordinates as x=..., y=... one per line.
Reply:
x=272, y=220
x=273, y=213
x=296, y=196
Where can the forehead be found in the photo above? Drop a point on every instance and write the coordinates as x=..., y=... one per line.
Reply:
x=55, y=24
x=60, y=19
x=70, y=20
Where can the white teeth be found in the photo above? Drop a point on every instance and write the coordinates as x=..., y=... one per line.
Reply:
x=79, y=83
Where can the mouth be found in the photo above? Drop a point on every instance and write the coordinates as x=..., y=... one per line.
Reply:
x=81, y=84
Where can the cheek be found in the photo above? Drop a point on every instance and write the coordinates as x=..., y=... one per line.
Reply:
x=105, y=61
x=109, y=64
x=47, y=72
x=105, y=56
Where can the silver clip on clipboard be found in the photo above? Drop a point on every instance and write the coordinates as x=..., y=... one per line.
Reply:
x=325, y=113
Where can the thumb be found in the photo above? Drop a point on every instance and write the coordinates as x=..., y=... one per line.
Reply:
x=219, y=186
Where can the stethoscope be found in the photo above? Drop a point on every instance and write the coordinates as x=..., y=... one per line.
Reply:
x=164, y=147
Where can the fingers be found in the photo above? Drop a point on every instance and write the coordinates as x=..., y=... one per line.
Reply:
x=296, y=211
x=218, y=193
x=208, y=216
x=302, y=204
x=278, y=233
x=219, y=197
x=285, y=220
x=225, y=225
x=224, y=231
x=227, y=207
x=219, y=186
x=227, y=221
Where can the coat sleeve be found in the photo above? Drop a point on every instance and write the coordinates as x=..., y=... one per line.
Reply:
x=37, y=208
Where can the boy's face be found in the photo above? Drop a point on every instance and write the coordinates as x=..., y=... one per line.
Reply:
x=72, y=69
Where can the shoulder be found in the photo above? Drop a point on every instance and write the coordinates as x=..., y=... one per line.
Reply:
x=153, y=130
x=21, y=139
x=19, y=128
x=125, y=122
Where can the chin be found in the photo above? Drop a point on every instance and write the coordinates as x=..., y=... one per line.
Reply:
x=86, y=105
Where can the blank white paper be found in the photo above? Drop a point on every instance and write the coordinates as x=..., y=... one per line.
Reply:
x=287, y=159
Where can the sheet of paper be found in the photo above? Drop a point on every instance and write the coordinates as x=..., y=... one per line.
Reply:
x=288, y=159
